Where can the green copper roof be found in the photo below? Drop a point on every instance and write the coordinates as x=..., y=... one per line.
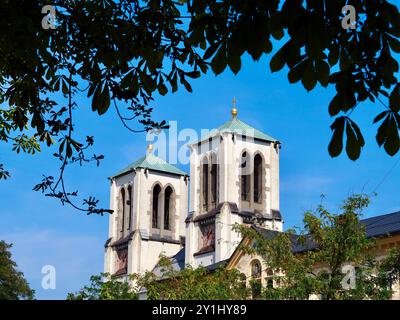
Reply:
x=240, y=127
x=152, y=162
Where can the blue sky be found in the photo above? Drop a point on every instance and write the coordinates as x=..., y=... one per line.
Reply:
x=45, y=233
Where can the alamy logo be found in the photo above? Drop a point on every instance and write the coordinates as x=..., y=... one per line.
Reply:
x=49, y=278
x=349, y=280
x=349, y=20
x=49, y=21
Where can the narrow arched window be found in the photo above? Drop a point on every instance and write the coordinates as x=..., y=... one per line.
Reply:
x=256, y=269
x=245, y=177
x=214, y=181
x=204, y=185
x=122, y=210
x=167, y=207
x=156, y=195
x=269, y=279
x=129, y=203
x=255, y=278
x=258, y=164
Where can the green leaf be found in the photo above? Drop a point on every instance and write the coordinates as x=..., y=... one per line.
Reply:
x=344, y=61
x=64, y=87
x=394, y=44
x=394, y=99
x=104, y=102
x=193, y=74
x=355, y=140
x=69, y=150
x=210, y=51
x=277, y=62
x=380, y=116
x=234, y=63
x=96, y=98
x=296, y=73
x=162, y=89
x=186, y=84
x=309, y=79
x=336, y=145
x=218, y=63
x=276, y=26
x=388, y=134
x=322, y=70
x=174, y=82
x=333, y=56
x=336, y=104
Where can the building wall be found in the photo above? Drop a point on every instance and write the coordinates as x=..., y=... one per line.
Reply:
x=228, y=148
x=242, y=262
x=150, y=252
x=147, y=243
x=227, y=240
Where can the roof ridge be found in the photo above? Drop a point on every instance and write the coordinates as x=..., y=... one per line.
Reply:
x=386, y=214
x=383, y=216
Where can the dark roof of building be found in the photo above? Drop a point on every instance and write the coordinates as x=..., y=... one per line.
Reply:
x=204, y=250
x=177, y=263
x=209, y=214
x=254, y=215
x=375, y=227
x=298, y=246
x=216, y=265
x=379, y=226
x=121, y=242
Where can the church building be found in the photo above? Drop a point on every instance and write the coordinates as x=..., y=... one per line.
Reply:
x=234, y=178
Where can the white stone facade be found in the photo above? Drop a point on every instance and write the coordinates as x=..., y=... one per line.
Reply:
x=227, y=148
x=143, y=242
x=220, y=197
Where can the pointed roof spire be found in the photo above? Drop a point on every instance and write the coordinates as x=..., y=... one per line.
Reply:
x=234, y=111
x=149, y=148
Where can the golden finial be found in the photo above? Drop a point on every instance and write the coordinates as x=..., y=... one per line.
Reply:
x=149, y=148
x=234, y=111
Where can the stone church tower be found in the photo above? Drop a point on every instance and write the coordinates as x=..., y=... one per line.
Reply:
x=149, y=199
x=234, y=178
x=234, y=175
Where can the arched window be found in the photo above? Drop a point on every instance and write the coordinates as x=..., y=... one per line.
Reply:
x=167, y=207
x=269, y=279
x=156, y=195
x=258, y=164
x=130, y=207
x=255, y=278
x=122, y=210
x=214, y=181
x=245, y=177
x=256, y=269
x=204, y=185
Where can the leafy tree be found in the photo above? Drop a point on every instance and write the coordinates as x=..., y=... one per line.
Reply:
x=120, y=53
x=188, y=284
x=105, y=287
x=193, y=283
x=13, y=285
x=328, y=242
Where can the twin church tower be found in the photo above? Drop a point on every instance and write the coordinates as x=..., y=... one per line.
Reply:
x=234, y=178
